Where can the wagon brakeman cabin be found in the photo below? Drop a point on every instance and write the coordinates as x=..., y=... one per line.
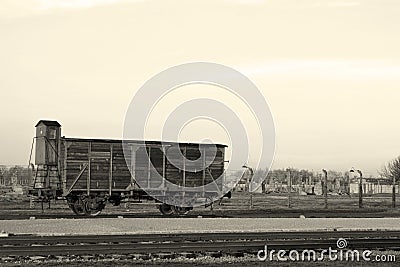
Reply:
x=88, y=173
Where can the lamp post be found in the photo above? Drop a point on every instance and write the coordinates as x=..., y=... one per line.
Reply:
x=360, y=189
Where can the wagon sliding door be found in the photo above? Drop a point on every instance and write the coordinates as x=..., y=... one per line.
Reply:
x=95, y=166
x=108, y=170
x=99, y=174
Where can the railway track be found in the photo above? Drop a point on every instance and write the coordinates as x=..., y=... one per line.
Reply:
x=30, y=245
x=260, y=213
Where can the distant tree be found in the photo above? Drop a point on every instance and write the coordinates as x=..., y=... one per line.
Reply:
x=305, y=175
x=15, y=175
x=21, y=174
x=334, y=174
x=3, y=171
x=391, y=169
x=5, y=175
x=277, y=176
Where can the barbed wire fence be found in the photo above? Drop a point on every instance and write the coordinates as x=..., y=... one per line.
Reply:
x=290, y=188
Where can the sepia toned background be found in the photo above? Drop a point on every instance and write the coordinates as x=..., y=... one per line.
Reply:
x=330, y=71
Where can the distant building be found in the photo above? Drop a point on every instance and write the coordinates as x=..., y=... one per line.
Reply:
x=373, y=186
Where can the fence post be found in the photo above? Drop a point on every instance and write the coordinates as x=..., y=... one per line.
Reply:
x=360, y=190
x=325, y=188
x=289, y=189
x=394, y=192
x=32, y=202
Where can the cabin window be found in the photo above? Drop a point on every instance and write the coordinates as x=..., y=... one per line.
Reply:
x=52, y=134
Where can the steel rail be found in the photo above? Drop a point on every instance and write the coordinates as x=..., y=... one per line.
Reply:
x=189, y=242
x=221, y=246
x=55, y=239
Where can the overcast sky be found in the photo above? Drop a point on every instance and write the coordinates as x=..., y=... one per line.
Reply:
x=330, y=70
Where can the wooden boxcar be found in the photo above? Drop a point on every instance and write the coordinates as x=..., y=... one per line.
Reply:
x=91, y=172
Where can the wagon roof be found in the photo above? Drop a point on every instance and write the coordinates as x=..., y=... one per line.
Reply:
x=149, y=142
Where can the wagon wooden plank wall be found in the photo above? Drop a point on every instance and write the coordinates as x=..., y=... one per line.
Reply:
x=102, y=162
x=100, y=165
x=94, y=171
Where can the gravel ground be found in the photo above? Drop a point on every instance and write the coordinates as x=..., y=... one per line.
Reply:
x=246, y=260
x=169, y=225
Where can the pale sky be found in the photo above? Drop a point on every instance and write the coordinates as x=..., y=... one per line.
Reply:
x=330, y=70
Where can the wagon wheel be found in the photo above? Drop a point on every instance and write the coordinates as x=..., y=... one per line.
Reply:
x=180, y=210
x=77, y=207
x=166, y=209
x=92, y=212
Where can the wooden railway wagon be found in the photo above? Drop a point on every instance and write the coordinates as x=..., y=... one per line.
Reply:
x=91, y=172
